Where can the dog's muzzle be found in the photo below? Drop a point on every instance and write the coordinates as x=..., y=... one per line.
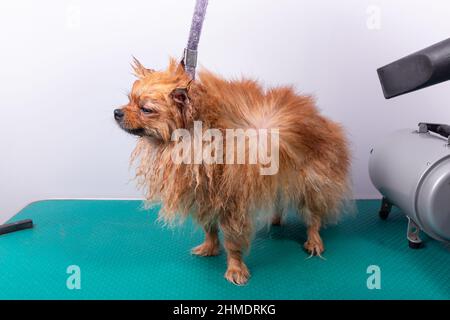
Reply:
x=118, y=114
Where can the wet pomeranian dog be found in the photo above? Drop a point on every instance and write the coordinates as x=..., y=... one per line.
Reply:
x=311, y=174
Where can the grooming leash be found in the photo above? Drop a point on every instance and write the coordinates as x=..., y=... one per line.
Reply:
x=190, y=52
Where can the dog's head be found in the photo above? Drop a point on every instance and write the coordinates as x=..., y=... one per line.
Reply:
x=158, y=103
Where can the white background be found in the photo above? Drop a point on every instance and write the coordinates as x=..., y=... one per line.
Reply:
x=64, y=67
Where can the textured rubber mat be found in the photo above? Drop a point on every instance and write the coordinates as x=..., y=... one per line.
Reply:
x=123, y=253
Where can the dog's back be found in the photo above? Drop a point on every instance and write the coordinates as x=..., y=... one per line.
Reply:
x=313, y=154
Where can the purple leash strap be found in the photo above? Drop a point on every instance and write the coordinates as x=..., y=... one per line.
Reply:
x=190, y=52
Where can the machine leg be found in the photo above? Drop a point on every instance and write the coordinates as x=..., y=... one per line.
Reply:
x=413, y=235
x=385, y=209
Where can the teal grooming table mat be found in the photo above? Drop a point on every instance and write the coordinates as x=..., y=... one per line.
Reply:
x=124, y=253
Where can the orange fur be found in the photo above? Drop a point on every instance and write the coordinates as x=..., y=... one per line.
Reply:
x=313, y=158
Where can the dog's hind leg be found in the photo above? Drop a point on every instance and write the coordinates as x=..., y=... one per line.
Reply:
x=314, y=243
x=278, y=213
x=211, y=245
x=315, y=207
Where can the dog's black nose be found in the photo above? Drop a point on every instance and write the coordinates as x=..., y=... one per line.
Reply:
x=118, y=114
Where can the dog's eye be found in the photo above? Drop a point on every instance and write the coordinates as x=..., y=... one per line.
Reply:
x=146, y=110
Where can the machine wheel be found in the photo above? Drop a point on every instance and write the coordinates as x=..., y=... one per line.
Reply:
x=385, y=209
x=384, y=214
x=415, y=245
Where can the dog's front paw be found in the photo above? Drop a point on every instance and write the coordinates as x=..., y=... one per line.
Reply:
x=206, y=249
x=314, y=247
x=237, y=275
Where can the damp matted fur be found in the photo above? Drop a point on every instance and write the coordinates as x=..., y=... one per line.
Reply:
x=314, y=158
x=313, y=162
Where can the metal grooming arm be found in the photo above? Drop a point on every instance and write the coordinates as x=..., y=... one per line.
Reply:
x=190, y=52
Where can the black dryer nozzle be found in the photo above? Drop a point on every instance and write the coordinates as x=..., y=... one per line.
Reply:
x=419, y=70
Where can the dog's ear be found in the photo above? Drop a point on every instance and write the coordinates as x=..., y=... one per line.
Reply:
x=180, y=96
x=139, y=70
x=176, y=68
